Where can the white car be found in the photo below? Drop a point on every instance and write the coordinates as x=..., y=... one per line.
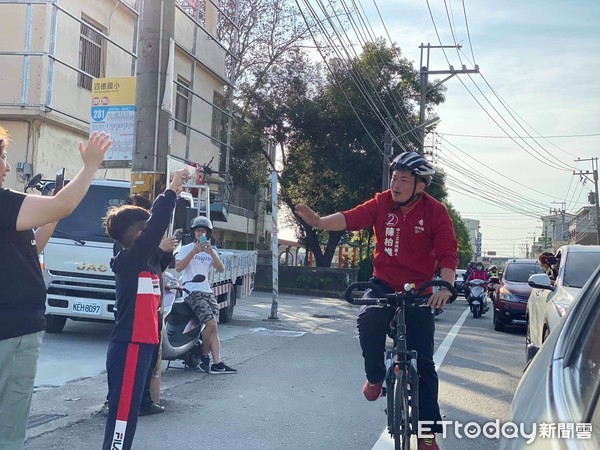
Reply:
x=557, y=401
x=550, y=299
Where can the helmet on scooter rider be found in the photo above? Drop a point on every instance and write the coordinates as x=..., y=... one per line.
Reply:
x=202, y=222
x=415, y=163
x=493, y=268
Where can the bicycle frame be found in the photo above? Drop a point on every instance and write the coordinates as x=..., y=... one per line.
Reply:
x=402, y=377
x=402, y=382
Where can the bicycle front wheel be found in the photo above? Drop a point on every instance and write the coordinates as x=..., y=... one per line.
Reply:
x=401, y=416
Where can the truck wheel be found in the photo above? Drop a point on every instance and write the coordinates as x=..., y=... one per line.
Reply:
x=226, y=314
x=55, y=324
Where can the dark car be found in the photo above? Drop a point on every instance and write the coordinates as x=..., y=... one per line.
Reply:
x=561, y=385
x=459, y=281
x=512, y=293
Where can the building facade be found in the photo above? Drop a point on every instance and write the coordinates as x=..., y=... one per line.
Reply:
x=474, y=237
x=50, y=53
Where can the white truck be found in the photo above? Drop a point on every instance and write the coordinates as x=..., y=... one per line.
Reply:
x=76, y=261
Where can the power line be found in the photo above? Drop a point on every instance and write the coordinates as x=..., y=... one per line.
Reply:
x=521, y=137
x=468, y=32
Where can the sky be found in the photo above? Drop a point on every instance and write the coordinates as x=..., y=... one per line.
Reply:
x=542, y=59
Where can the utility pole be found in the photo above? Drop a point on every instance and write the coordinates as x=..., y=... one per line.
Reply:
x=149, y=165
x=594, y=173
x=562, y=212
x=387, y=157
x=425, y=72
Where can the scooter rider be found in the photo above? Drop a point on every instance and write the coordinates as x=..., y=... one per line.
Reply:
x=493, y=271
x=197, y=258
x=479, y=274
x=470, y=269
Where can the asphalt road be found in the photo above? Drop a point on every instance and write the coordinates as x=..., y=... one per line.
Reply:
x=298, y=386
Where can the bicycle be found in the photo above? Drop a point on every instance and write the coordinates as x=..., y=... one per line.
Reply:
x=402, y=377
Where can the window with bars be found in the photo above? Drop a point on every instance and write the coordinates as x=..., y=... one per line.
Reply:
x=90, y=53
x=194, y=8
x=181, y=104
x=219, y=120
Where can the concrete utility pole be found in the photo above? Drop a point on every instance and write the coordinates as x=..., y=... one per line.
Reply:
x=594, y=179
x=425, y=72
x=149, y=165
x=562, y=212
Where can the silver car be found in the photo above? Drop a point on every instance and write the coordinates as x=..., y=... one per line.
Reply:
x=550, y=299
x=557, y=400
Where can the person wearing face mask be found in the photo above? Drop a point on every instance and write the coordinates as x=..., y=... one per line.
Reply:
x=414, y=237
x=195, y=261
x=479, y=274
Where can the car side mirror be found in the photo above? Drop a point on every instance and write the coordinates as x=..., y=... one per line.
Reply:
x=540, y=281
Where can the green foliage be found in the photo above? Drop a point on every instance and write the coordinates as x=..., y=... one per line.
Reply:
x=330, y=138
x=437, y=189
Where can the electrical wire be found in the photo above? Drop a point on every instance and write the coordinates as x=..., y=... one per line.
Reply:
x=468, y=32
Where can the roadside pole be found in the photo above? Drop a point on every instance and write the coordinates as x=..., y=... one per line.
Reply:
x=593, y=179
x=425, y=89
x=274, y=245
x=149, y=164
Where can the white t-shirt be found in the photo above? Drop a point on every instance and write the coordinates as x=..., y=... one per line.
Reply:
x=201, y=263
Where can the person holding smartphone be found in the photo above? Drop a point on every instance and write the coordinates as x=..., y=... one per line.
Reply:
x=195, y=260
x=159, y=262
x=22, y=287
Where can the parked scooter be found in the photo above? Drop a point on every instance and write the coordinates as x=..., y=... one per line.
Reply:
x=477, y=297
x=181, y=332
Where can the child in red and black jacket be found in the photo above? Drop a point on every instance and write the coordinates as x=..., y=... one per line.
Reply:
x=135, y=336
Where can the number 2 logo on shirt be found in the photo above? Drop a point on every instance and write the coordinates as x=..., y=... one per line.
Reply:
x=392, y=220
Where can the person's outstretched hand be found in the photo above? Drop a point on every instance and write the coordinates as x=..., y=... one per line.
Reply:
x=93, y=153
x=179, y=178
x=308, y=215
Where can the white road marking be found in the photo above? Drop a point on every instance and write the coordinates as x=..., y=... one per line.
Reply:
x=385, y=441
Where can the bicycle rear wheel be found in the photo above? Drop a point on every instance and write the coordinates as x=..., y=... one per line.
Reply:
x=401, y=417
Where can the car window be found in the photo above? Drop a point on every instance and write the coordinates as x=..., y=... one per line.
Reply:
x=520, y=273
x=585, y=351
x=580, y=267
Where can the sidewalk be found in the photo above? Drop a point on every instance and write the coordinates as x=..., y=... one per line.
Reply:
x=79, y=400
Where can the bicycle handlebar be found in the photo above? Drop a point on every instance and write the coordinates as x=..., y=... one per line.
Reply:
x=409, y=297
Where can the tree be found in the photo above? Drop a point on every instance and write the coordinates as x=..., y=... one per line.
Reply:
x=328, y=129
x=339, y=142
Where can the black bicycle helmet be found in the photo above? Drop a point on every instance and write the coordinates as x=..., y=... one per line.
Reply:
x=202, y=222
x=414, y=163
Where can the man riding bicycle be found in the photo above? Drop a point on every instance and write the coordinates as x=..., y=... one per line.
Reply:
x=414, y=237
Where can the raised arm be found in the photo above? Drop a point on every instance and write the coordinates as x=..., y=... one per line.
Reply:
x=333, y=222
x=38, y=210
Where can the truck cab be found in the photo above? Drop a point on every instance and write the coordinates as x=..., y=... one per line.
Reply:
x=76, y=260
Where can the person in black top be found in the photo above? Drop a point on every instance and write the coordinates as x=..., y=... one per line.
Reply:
x=135, y=335
x=160, y=261
x=22, y=288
